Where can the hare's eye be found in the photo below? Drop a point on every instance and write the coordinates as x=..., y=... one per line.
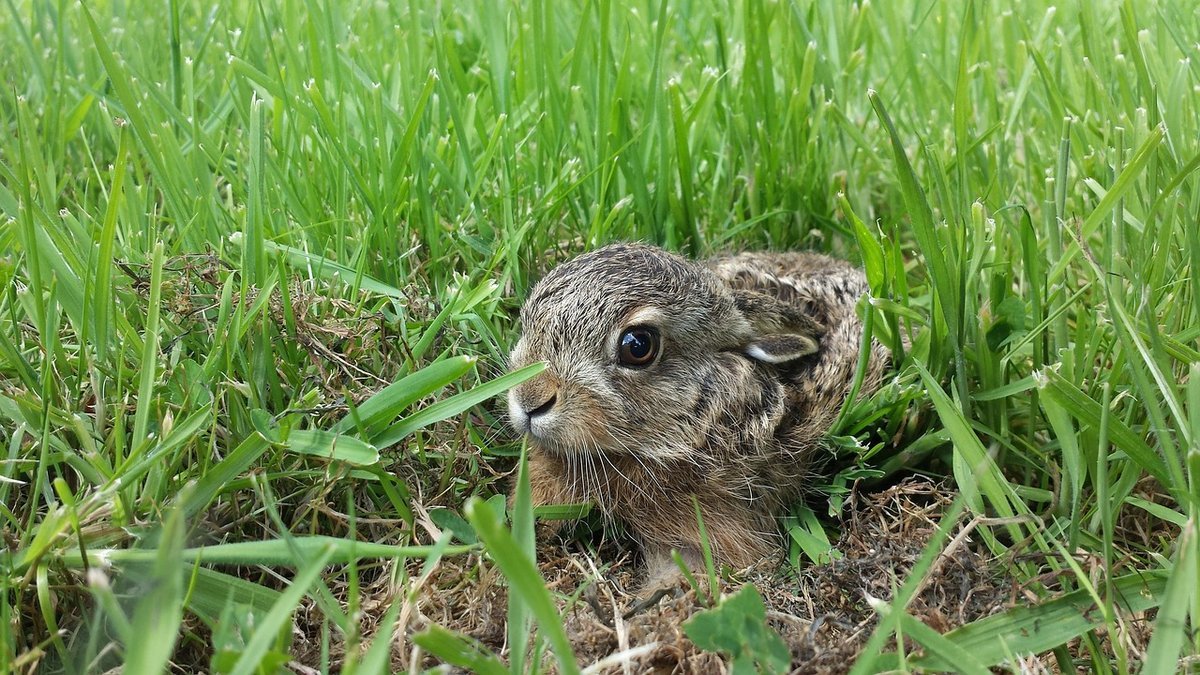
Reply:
x=638, y=347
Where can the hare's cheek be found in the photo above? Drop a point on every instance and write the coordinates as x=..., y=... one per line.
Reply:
x=590, y=420
x=519, y=356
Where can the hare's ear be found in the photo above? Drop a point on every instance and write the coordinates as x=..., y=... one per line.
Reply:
x=781, y=348
x=779, y=332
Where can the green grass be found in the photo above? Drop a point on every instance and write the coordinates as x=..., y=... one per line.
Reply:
x=225, y=229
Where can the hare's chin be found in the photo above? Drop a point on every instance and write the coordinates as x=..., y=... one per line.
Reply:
x=567, y=448
x=546, y=445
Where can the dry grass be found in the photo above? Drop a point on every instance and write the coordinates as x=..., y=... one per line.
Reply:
x=823, y=614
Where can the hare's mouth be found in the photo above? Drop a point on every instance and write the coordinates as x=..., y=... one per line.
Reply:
x=558, y=437
x=547, y=432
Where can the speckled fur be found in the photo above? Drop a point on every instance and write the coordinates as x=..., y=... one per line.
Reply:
x=708, y=418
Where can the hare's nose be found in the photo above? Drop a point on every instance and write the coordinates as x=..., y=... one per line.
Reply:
x=543, y=407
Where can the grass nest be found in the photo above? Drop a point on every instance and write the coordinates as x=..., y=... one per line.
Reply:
x=823, y=613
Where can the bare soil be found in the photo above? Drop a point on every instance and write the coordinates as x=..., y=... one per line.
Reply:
x=823, y=613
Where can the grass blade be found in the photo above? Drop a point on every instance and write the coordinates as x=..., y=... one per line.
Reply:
x=329, y=445
x=273, y=621
x=1088, y=411
x=267, y=552
x=1171, y=630
x=210, y=591
x=399, y=395
x=222, y=473
x=1034, y=629
x=454, y=405
x=324, y=267
x=917, y=205
x=378, y=658
x=523, y=578
x=941, y=648
x=519, y=618
x=973, y=465
x=145, y=395
x=460, y=650
x=1125, y=182
x=159, y=611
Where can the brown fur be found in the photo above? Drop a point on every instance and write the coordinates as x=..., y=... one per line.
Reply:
x=730, y=412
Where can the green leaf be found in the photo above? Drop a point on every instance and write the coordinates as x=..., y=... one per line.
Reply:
x=448, y=520
x=209, y=591
x=738, y=626
x=562, y=511
x=810, y=536
x=520, y=619
x=870, y=249
x=158, y=613
x=1087, y=410
x=917, y=205
x=1126, y=181
x=974, y=467
x=938, y=646
x=1068, y=441
x=281, y=613
x=145, y=395
x=459, y=650
x=220, y=475
x=324, y=267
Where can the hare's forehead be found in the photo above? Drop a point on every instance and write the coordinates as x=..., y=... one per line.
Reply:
x=586, y=315
x=584, y=300
x=604, y=294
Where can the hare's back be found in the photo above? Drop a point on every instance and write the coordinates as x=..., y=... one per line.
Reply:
x=766, y=267
x=824, y=287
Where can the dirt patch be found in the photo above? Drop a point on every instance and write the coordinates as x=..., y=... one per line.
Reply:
x=822, y=613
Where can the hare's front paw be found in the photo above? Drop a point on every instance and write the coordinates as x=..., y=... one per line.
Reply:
x=662, y=572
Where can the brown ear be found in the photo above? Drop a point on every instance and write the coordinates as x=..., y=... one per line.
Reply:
x=780, y=332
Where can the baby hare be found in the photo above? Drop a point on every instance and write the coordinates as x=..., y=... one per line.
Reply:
x=668, y=379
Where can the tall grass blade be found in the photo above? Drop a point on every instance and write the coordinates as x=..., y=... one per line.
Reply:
x=524, y=580
x=1033, y=629
x=454, y=405
x=271, y=623
x=1171, y=631
x=395, y=398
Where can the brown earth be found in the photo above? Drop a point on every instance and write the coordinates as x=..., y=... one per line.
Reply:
x=822, y=614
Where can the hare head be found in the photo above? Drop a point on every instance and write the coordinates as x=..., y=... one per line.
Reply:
x=649, y=354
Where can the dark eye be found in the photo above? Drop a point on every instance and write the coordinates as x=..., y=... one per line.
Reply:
x=638, y=347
